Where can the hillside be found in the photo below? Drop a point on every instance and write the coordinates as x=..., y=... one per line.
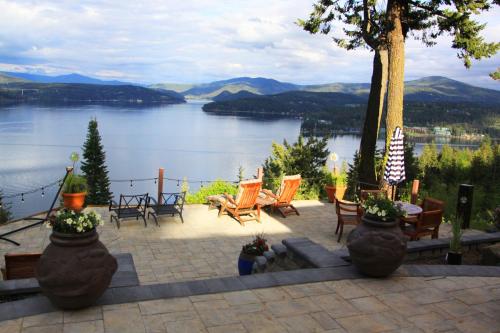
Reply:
x=229, y=96
x=60, y=93
x=427, y=89
x=69, y=78
x=4, y=79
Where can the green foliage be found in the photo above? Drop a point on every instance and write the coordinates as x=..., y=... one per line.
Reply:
x=241, y=175
x=5, y=213
x=75, y=184
x=257, y=247
x=353, y=177
x=216, y=187
x=306, y=157
x=442, y=173
x=381, y=208
x=94, y=167
x=68, y=221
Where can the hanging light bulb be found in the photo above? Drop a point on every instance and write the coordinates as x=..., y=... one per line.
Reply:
x=178, y=182
x=131, y=183
x=201, y=183
x=155, y=180
x=43, y=191
x=22, y=197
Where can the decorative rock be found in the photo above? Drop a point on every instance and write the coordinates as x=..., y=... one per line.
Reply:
x=280, y=250
x=270, y=256
x=490, y=255
x=261, y=262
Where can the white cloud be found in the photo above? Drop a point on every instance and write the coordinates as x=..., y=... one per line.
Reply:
x=199, y=41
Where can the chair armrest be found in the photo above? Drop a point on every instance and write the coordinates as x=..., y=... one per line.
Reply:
x=230, y=198
x=269, y=193
x=112, y=204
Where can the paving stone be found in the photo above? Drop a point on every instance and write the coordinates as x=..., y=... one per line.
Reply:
x=271, y=294
x=218, y=317
x=92, y=313
x=179, y=316
x=154, y=323
x=310, y=289
x=432, y=321
x=261, y=322
x=94, y=326
x=300, y=324
x=213, y=304
x=456, y=308
x=123, y=320
x=427, y=295
x=185, y=326
x=366, y=323
x=403, y=304
x=473, y=295
x=241, y=297
x=292, y=307
x=369, y=304
x=11, y=326
x=232, y=328
x=334, y=305
x=165, y=305
x=325, y=320
x=43, y=319
x=347, y=289
x=56, y=328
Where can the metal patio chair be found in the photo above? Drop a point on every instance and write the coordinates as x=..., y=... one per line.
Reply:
x=129, y=206
x=170, y=204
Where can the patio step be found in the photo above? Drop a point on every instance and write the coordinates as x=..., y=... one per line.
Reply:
x=313, y=254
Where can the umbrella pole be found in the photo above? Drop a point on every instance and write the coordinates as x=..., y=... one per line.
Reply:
x=393, y=192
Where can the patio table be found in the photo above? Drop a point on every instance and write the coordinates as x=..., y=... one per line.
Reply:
x=409, y=208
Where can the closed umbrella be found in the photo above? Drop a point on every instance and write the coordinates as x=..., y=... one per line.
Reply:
x=395, y=167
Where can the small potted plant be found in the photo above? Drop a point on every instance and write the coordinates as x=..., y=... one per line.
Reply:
x=454, y=255
x=75, y=268
x=377, y=246
x=336, y=183
x=249, y=252
x=75, y=188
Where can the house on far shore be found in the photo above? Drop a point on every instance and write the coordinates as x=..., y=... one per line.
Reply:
x=441, y=131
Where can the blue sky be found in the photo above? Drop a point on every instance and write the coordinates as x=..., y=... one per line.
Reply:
x=200, y=41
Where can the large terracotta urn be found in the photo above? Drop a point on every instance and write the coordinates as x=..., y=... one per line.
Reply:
x=75, y=269
x=377, y=248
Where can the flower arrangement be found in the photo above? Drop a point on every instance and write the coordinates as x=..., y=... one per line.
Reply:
x=257, y=247
x=381, y=209
x=68, y=221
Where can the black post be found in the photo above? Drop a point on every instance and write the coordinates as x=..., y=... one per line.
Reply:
x=464, y=204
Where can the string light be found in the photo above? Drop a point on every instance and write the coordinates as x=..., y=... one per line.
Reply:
x=22, y=197
x=43, y=192
x=155, y=180
x=131, y=183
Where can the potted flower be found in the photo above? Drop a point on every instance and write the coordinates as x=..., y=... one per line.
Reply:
x=377, y=246
x=454, y=255
x=75, y=188
x=336, y=183
x=249, y=252
x=75, y=268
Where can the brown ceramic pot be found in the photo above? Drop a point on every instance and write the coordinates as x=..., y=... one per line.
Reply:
x=75, y=269
x=330, y=192
x=377, y=248
x=74, y=201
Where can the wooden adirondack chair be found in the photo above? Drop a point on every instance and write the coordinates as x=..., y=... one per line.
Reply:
x=282, y=200
x=245, y=202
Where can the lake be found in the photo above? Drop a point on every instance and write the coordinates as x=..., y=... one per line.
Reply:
x=36, y=141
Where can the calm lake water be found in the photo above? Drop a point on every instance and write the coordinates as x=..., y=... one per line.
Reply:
x=36, y=141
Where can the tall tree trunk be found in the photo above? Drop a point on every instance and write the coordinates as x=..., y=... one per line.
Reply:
x=396, y=46
x=367, y=172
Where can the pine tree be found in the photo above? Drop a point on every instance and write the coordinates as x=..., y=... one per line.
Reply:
x=94, y=168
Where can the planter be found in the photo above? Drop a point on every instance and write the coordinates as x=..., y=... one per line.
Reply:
x=74, y=201
x=335, y=191
x=75, y=269
x=454, y=258
x=377, y=248
x=245, y=264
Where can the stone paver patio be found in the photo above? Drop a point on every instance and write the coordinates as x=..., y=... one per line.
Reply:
x=205, y=246
x=398, y=304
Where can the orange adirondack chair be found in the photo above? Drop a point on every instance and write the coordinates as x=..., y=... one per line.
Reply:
x=282, y=200
x=245, y=202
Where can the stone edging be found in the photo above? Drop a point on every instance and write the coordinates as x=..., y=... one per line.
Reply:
x=40, y=304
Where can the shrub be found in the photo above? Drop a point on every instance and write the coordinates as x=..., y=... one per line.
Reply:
x=216, y=187
x=75, y=184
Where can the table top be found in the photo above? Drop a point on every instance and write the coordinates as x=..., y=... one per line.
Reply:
x=409, y=208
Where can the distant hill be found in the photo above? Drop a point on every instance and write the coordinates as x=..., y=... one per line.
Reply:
x=297, y=103
x=177, y=87
x=71, y=93
x=260, y=86
x=10, y=79
x=229, y=96
x=427, y=89
x=69, y=78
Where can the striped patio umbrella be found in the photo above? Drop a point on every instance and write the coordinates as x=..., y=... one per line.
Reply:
x=395, y=167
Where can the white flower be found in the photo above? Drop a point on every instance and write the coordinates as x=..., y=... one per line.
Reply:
x=68, y=221
x=79, y=229
x=383, y=213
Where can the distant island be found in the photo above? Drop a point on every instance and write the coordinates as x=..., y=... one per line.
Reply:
x=18, y=91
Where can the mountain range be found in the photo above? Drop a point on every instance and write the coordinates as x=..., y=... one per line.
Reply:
x=69, y=78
